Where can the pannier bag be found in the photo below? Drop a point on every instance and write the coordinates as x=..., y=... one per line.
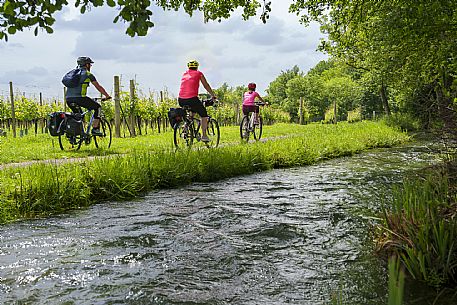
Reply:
x=176, y=115
x=72, y=78
x=54, y=123
x=74, y=124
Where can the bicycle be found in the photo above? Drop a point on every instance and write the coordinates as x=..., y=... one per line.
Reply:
x=188, y=129
x=76, y=131
x=248, y=125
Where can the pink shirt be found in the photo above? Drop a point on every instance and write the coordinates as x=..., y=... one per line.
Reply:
x=249, y=97
x=189, y=84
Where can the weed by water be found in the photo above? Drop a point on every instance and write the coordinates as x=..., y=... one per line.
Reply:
x=420, y=227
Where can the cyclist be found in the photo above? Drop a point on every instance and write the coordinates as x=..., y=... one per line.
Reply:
x=249, y=102
x=188, y=94
x=77, y=95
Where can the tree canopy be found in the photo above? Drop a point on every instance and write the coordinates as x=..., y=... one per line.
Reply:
x=17, y=15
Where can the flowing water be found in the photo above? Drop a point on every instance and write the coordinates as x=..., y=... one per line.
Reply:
x=292, y=236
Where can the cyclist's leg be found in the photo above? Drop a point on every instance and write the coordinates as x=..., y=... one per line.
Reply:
x=74, y=104
x=197, y=106
x=90, y=104
x=256, y=115
x=248, y=109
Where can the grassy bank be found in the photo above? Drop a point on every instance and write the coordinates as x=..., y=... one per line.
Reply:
x=44, y=189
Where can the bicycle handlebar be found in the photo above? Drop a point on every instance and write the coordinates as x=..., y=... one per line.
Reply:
x=260, y=104
x=101, y=99
x=210, y=102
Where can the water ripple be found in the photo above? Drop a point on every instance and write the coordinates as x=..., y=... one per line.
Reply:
x=280, y=237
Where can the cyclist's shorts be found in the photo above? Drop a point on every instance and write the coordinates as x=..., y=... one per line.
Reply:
x=85, y=102
x=247, y=109
x=195, y=104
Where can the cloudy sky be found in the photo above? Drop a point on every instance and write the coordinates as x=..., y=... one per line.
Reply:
x=234, y=51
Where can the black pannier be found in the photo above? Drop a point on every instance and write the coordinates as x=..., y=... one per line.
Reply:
x=54, y=123
x=73, y=124
x=176, y=115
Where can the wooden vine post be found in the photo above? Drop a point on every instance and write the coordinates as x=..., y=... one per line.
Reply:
x=117, y=108
x=132, y=107
x=13, y=113
x=159, y=117
x=65, y=99
x=301, y=111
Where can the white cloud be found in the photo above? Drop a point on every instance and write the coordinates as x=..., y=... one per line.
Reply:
x=232, y=51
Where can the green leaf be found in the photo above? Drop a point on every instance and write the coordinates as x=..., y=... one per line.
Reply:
x=49, y=20
x=8, y=8
x=12, y=30
x=111, y=3
x=130, y=32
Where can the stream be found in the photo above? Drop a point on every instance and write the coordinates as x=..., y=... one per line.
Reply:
x=286, y=236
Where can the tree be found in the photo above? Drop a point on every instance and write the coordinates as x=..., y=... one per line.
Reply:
x=296, y=88
x=17, y=15
x=406, y=44
x=277, y=88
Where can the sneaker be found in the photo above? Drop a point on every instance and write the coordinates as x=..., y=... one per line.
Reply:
x=205, y=139
x=97, y=132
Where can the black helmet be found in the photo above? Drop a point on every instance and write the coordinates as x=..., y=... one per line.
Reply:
x=83, y=60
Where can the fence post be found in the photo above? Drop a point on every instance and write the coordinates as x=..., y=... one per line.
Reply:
x=237, y=113
x=117, y=108
x=301, y=110
x=132, y=107
x=159, y=117
x=64, y=99
x=42, y=121
x=334, y=113
x=13, y=113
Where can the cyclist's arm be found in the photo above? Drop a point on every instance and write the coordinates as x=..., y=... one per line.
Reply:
x=101, y=89
x=260, y=98
x=207, y=86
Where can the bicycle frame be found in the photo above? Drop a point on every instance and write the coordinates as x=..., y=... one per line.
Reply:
x=248, y=126
x=189, y=128
x=86, y=135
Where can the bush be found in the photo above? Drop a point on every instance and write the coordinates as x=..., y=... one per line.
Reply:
x=404, y=121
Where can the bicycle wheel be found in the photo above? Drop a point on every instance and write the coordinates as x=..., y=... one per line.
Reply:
x=258, y=129
x=213, y=133
x=104, y=142
x=244, y=128
x=183, y=135
x=69, y=141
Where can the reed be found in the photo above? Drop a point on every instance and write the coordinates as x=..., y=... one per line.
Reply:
x=396, y=282
x=420, y=227
x=44, y=189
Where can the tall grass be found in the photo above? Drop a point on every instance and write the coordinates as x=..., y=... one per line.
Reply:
x=43, y=189
x=396, y=282
x=420, y=227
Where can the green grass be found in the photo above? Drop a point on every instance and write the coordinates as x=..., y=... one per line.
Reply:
x=147, y=163
x=43, y=146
